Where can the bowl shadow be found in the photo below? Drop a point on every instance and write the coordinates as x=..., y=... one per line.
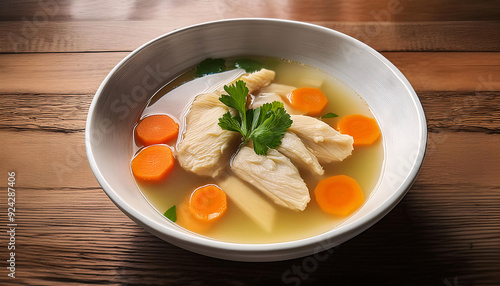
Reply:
x=392, y=252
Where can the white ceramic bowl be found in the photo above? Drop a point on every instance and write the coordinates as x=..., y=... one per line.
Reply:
x=126, y=90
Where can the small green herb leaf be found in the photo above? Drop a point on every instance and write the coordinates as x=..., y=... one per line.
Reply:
x=272, y=129
x=330, y=115
x=265, y=125
x=231, y=123
x=248, y=65
x=236, y=96
x=171, y=214
x=210, y=66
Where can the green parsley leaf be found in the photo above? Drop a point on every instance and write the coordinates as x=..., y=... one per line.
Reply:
x=228, y=122
x=274, y=124
x=210, y=66
x=236, y=98
x=265, y=125
x=171, y=214
x=248, y=65
x=330, y=115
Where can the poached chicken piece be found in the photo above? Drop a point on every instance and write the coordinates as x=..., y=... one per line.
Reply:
x=326, y=143
x=206, y=148
x=273, y=174
x=292, y=147
x=258, y=80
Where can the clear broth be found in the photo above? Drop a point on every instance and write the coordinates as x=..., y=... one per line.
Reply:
x=364, y=165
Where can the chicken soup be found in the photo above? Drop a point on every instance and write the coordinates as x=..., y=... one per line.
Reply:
x=256, y=150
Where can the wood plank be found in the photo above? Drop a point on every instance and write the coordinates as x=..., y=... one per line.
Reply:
x=445, y=111
x=46, y=159
x=449, y=71
x=56, y=36
x=79, y=236
x=84, y=72
x=58, y=160
x=457, y=111
x=173, y=11
x=456, y=158
x=47, y=112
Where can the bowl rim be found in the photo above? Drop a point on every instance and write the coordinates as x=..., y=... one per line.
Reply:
x=349, y=231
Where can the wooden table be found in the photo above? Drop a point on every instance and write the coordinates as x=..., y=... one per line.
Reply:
x=54, y=55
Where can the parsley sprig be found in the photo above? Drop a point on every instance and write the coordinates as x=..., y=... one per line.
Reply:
x=265, y=125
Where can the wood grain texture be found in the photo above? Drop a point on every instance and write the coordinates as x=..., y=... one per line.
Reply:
x=55, y=53
x=58, y=160
x=46, y=159
x=57, y=36
x=84, y=72
x=47, y=112
x=477, y=111
x=446, y=110
x=178, y=11
x=69, y=233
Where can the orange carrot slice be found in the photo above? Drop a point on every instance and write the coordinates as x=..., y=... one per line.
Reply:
x=339, y=195
x=156, y=129
x=310, y=100
x=153, y=164
x=208, y=203
x=188, y=221
x=363, y=129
